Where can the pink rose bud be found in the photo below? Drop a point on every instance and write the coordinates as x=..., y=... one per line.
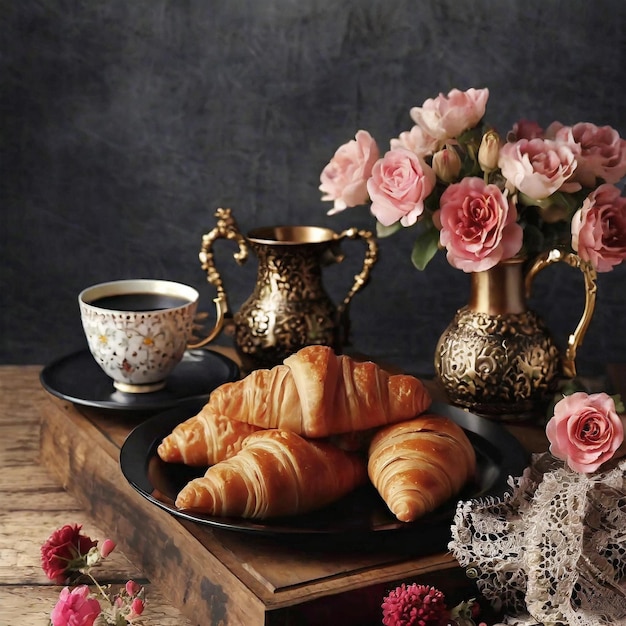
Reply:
x=136, y=609
x=132, y=588
x=107, y=547
x=447, y=164
x=488, y=151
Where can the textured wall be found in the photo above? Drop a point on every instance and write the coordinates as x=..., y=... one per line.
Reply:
x=125, y=124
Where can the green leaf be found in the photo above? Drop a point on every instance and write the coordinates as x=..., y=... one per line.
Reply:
x=386, y=231
x=425, y=247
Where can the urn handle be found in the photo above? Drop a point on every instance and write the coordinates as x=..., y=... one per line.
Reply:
x=226, y=228
x=371, y=256
x=576, y=338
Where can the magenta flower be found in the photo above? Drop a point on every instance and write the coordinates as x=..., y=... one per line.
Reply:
x=414, y=605
x=75, y=608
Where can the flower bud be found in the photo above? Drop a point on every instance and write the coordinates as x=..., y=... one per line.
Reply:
x=107, y=547
x=488, y=151
x=447, y=164
x=132, y=588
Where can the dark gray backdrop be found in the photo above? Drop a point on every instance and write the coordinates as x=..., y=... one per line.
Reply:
x=126, y=123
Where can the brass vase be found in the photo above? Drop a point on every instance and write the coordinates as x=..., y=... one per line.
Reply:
x=289, y=307
x=497, y=358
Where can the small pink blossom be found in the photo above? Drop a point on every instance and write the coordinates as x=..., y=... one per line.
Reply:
x=75, y=608
x=538, y=167
x=602, y=152
x=400, y=183
x=478, y=225
x=344, y=179
x=416, y=140
x=585, y=431
x=445, y=117
x=108, y=545
x=599, y=228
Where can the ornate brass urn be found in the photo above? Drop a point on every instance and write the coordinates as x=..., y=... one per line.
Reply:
x=497, y=357
x=289, y=307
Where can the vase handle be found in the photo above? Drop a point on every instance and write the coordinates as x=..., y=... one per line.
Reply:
x=226, y=228
x=371, y=256
x=576, y=338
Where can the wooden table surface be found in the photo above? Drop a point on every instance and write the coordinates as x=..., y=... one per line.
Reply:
x=34, y=505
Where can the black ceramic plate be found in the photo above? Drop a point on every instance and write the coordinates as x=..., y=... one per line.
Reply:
x=498, y=453
x=79, y=379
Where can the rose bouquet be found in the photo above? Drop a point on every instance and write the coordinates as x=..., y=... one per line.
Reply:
x=484, y=197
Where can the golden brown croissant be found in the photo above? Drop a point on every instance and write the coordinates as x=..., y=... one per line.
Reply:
x=317, y=393
x=418, y=465
x=276, y=473
x=204, y=439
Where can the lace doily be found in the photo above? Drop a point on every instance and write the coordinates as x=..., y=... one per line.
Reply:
x=553, y=551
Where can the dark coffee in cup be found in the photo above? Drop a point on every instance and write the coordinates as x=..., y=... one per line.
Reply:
x=139, y=302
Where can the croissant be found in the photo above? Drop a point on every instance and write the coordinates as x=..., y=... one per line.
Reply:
x=418, y=465
x=204, y=439
x=276, y=473
x=317, y=393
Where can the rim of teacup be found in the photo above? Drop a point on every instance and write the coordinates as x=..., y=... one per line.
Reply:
x=133, y=285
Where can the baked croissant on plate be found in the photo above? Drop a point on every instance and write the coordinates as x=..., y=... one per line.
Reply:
x=418, y=465
x=317, y=393
x=276, y=473
x=204, y=439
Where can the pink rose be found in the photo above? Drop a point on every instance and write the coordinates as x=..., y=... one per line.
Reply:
x=75, y=608
x=585, y=431
x=526, y=129
x=602, y=152
x=599, y=228
x=448, y=116
x=416, y=140
x=400, y=183
x=537, y=167
x=478, y=225
x=344, y=179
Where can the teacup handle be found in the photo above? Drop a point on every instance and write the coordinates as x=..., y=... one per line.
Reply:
x=226, y=228
x=371, y=256
x=576, y=338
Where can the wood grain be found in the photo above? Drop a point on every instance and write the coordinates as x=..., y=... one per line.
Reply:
x=34, y=504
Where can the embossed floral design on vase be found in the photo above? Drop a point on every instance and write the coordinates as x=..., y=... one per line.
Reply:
x=497, y=357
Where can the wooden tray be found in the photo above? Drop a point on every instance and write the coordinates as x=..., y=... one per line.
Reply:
x=218, y=576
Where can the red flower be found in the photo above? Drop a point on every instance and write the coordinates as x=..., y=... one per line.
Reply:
x=414, y=605
x=63, y=552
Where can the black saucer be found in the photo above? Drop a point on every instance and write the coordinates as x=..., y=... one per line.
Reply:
x=78, y=379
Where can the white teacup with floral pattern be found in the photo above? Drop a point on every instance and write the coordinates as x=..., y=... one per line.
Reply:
x=137, y=330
